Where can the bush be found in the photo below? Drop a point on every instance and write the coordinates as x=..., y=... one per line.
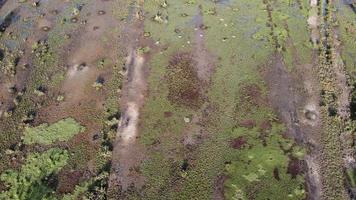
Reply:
x=30, y=182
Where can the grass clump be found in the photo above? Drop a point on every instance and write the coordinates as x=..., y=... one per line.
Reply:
x=62, y=130
x=31, y=181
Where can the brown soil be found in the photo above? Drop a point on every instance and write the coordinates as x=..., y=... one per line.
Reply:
x=283, y=96
x=128, y=154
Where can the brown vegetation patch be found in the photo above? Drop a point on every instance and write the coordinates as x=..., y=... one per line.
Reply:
x=183, y=82
x=265, y=128
x=253, y=94
x=266, y=125
x=82, y=151
x=247, y=123
x=295, y=167
x=67, y=180
x=250, y=97
x=168, y=114
x=238, y=143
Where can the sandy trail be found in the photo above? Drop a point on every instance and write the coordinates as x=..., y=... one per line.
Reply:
x=127, y=154
x=136, y=88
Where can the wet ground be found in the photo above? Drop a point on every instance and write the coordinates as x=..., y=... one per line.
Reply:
x=182, y=99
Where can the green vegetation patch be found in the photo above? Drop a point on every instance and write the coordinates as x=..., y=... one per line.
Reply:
x=262, y=170
x=351, y=173
x=62, y=130
x=31, y=181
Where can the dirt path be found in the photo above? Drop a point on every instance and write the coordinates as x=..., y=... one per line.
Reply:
x=127, y=154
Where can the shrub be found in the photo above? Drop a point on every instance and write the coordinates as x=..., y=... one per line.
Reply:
x=30, y=181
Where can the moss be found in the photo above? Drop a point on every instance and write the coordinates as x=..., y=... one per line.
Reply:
x=62, y=130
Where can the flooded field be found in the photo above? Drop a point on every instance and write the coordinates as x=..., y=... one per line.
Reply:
x=177, y=99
